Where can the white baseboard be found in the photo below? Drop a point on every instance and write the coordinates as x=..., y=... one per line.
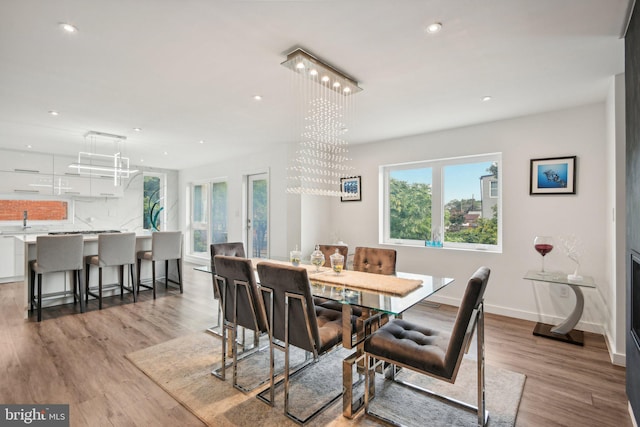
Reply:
x=616, y=358
x=619, y=359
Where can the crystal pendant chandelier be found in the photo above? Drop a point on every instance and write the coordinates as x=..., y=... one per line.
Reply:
x=326, y=105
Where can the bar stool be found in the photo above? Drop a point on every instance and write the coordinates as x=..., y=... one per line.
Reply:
x=57, y=254
x=114, y=250
x=165, y=246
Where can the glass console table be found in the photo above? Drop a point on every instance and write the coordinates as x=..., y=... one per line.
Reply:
x=564, y=331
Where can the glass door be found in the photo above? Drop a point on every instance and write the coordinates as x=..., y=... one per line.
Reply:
x=258, y=215
x=199, y=220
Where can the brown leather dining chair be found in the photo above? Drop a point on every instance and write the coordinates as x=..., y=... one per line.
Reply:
x=432, y=352
x=294, y=321
x=328, y=250
x=375, y=260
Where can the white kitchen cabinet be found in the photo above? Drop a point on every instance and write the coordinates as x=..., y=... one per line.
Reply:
x=7, y=258
x=25, y=183
x=18, y=245
x=104, y=187
x=71, y=185
x=24, y=161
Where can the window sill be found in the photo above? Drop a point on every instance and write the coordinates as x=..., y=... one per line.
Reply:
x=447, y=248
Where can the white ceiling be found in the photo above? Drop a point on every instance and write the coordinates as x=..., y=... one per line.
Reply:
x=187, y=70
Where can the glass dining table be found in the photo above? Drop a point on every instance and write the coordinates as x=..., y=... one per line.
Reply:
x=357, y=289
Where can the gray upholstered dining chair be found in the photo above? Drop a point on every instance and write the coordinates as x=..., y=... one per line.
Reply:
x=114, y=250
x=295, y=321
x=57, y=254
x=242, y=306
x=432, y=352
x=227, y=249
x=165, y=246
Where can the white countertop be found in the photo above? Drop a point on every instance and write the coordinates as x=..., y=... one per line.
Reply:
x=31, y=238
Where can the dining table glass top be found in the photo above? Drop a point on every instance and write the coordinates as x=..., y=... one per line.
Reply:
x=345, y=293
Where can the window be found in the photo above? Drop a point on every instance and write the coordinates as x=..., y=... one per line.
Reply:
x=199, y=223
x=493, y=190
x=153, y=202
x=450, y=202
x=208, y=216
x=219, y=212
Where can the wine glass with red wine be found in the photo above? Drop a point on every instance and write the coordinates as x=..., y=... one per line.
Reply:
x=544, y=245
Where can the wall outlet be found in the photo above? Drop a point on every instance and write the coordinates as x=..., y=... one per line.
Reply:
x=564, y=292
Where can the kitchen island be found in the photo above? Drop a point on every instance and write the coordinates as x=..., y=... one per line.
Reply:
x=59, y=286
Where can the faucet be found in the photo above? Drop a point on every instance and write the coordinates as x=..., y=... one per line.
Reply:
x=25, y=216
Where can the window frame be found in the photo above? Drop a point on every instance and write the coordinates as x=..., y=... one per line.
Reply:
x=206, y=224
x=437, y=200
x=162, y=197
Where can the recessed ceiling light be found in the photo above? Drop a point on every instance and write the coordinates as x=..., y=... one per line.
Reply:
x=486, y=98
x=166, y=153
x=53, y=112
x=257, y=97
x=29, y=146
x=201, y=141
x=434, y=28
x=137, y=129
x=68, y=27
x=141, y=160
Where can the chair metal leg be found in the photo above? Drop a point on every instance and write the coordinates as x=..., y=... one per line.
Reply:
x=99, y=288
x=166, y=273
x=87, y=272
x=153, y=278
x=32, y=288
x=80, y=290
x=133, y=283
x=39, y=297
x=483, y=415
x=138, y=274
x=121, y=280
x=178, y=261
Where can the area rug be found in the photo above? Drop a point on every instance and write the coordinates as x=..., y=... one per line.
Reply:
x=182, y=367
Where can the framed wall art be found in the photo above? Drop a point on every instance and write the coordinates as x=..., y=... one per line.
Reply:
x=351, y=189
x=555, y=175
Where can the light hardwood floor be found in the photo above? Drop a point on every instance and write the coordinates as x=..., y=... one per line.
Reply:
x=79, y=359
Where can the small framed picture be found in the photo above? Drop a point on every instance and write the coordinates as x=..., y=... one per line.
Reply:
x=555, y=175
x=351, y=189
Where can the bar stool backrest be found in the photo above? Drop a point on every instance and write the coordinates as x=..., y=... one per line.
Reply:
x=166, y=245
x=116, y=249
x=59, y=253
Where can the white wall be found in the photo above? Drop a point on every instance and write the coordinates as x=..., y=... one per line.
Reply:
x=614, y=297
x=284, y=209
x=578, y=131
x=126, y=212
